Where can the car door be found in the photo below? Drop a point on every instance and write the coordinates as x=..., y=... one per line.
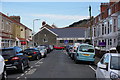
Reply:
x=106, y=62
x=1, y=64
x=103, y=73
x=99, y=71
x=22, y=56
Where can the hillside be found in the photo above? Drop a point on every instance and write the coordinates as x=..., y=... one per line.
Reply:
x=80, y=23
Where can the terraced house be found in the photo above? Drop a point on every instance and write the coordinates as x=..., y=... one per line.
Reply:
x=106, y=26
x=14, y=33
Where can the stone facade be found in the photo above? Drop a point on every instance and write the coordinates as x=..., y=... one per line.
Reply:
x=45, y=37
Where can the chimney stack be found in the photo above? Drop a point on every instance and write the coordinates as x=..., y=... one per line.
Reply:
x=104, y=6
x=16, y=18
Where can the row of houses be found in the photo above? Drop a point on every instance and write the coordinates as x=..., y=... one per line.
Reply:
x=106, y=25
x=14, y=33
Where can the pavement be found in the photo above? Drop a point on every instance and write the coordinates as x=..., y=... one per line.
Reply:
x=56, y=65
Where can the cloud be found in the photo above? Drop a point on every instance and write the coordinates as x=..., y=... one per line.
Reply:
x=61, y=17
x=55, y=0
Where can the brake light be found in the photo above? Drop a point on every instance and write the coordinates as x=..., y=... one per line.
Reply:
x=35, y=52
x=74, y=47
x=15, y=58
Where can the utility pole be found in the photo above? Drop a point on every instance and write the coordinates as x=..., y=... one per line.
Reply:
x=90, y=25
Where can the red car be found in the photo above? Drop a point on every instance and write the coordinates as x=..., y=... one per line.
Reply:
x=59, y=47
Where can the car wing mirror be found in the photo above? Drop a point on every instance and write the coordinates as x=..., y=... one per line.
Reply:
x=102, y=66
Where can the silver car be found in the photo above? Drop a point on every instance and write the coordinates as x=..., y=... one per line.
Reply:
x=108, y=68
x=3, y=75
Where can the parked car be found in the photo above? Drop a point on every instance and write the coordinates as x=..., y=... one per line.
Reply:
x=108, y=68
x=75, y=45
x=43, y=51
x=3, y=74
x=33, y=53
x=84, y=52
x=69, y=49
x=15, y=59
x=59, y=47
x=51, y=47
x=47, y=48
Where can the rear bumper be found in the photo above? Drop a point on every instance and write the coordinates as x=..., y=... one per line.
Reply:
x=32, y=57
x=85, y=59
x=11, y=67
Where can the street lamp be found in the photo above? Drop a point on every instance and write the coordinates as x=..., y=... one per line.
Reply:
x=33, y=29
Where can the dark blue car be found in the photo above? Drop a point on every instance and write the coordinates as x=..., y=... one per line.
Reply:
x=15, y=59
x=33, y=53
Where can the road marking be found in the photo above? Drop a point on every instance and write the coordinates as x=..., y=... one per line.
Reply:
x=22, y=74
x=25, y=71
x=31, y=67
x=31, y=71
x=39, y=61
x=92, y=68
x=25, y=77
x=37, y=65
x=18, y=78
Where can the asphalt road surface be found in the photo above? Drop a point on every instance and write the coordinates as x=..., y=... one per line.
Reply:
x=56, y=65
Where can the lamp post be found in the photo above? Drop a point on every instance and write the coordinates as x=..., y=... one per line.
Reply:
x=33, y=29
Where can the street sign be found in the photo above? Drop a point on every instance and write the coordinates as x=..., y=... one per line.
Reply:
x=65, y=41
x=102, y=44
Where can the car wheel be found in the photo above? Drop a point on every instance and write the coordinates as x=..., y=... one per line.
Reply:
x=72, y=56
x=4, y=75
x=76, y=61
x=38, y=57
x=28, y=64
x=45, y=55
x=22, y=69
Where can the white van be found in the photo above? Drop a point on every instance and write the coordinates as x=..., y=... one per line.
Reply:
x=3, y=75
x=108, y=68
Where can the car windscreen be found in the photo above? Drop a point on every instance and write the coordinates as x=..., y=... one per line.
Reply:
x=8, y=52
x=86, y=48
x=115, y=62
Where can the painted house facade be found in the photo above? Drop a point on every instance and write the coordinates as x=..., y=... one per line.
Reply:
x=12, y=32
x=106, y=25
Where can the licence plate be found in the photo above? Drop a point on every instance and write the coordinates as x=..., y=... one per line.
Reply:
x=86, y=54
x=6, y=60
x=29, y=56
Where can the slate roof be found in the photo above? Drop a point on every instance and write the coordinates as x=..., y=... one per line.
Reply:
x=69, y=32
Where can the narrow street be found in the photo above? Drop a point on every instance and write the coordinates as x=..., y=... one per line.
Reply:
x=56, y=65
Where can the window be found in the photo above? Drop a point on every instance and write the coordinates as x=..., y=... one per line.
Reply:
x=109, y=11
x=105, y=59
x=45, y=40
x=110, y=26
x=70, y=41
x=79, y=41
x=21, y=29
x=102, y=29
x=61, y=41
x=110, y=41
x=119, y=22
x=45, y=35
